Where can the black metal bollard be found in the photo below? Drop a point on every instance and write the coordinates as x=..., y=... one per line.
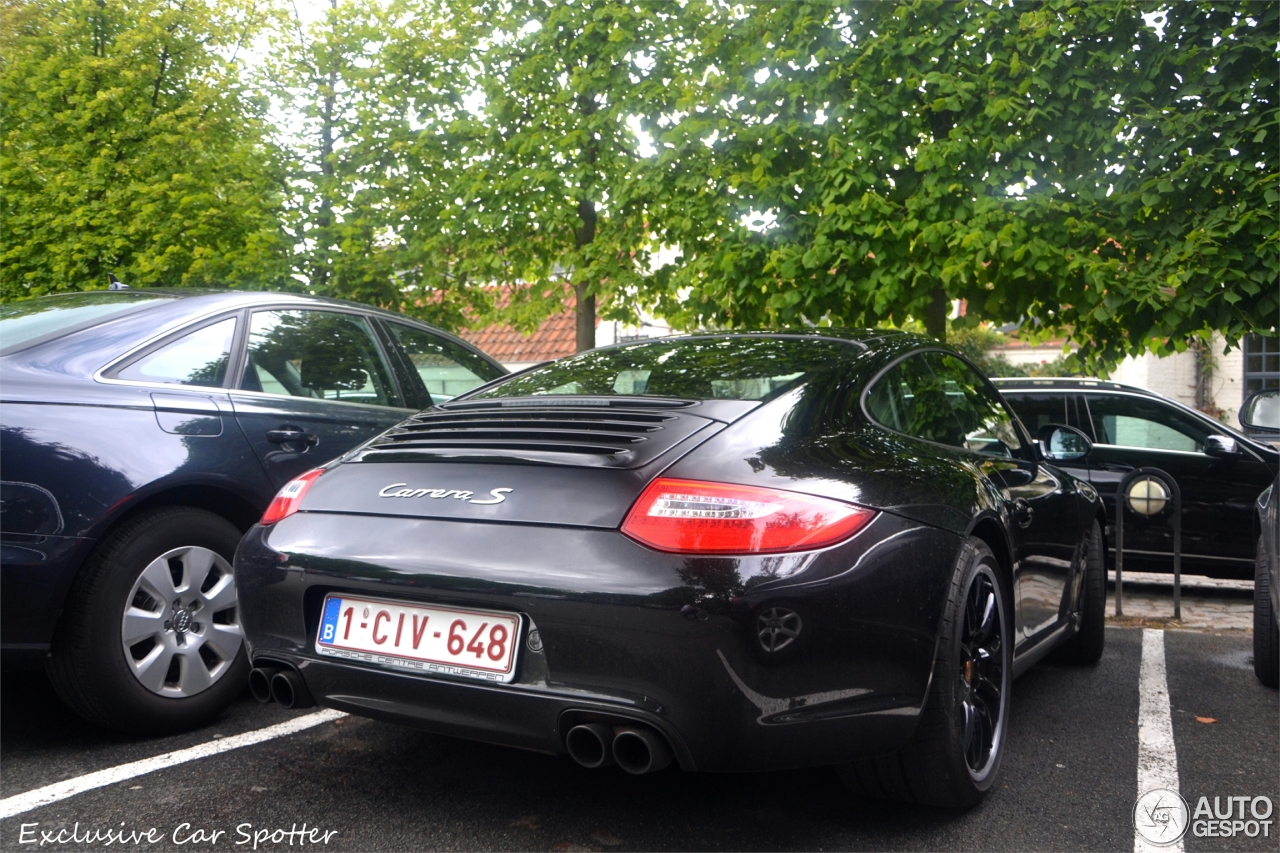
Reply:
x=1123, y=499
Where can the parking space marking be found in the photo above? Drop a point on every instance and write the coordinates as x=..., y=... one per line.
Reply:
x=20, y=803
x=1157, y=756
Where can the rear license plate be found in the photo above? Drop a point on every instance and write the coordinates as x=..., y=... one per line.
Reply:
x=470, y=643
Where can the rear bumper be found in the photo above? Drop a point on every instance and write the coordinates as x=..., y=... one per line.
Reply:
x=626, y=633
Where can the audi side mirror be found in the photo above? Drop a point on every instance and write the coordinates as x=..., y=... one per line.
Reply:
x=1261, y=412
x=1059, y=443
x=1221, y=447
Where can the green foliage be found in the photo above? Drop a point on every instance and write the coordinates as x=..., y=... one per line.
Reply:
x=130, y=146
x=545, y=180
x=1053, y=160
x=977, y=342
x=1056, y=162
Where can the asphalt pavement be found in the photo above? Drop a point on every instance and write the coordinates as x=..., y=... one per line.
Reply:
x=1069, y=779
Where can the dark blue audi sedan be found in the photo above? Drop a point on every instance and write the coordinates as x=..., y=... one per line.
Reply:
x=142, y=432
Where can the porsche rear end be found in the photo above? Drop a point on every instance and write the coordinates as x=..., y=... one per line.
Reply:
x=547, y=573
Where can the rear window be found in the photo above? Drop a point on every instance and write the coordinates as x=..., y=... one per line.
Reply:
x=47, y=316
x=737, y=368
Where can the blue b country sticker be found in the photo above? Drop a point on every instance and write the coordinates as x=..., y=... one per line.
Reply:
x=329, y=621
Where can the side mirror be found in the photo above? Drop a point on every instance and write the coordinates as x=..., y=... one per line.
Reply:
x=1221, y=446
x=1060, y=443
x=1261, y=412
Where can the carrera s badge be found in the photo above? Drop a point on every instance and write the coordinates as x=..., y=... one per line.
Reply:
x=401, y=490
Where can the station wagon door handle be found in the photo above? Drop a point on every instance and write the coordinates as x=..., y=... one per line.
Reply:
x=289, y=434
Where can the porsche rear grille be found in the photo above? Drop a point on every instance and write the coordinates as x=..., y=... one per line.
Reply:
x=550, y=430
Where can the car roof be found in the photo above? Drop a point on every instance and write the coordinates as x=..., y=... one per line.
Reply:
x=182, y=305
x=1076, y=385
x=1068, y=383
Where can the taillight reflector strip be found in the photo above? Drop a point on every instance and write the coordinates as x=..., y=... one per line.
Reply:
x=288, y=499
x=697, y=517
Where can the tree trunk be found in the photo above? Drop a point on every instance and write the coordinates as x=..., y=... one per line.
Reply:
x=935, y=315
x=585, y=304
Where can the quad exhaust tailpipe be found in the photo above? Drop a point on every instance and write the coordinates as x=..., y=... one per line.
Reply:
x=260, y=682
x=591, y=744
x=280, y=685
x=290, y=691
x=640, y=750
x=636, y=749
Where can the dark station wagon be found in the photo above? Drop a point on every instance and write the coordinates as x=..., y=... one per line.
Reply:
x=1219, y=471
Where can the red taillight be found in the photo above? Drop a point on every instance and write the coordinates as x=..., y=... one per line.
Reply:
x=286, y=502
x=694, y=517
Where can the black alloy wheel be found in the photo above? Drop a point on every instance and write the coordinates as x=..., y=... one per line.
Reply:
x=982, y=672
x=952, y=758
x=1266, y=631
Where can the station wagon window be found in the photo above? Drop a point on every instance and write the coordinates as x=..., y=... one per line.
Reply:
x=446, y=368
x=197, y=358
x=1127, y=421
x=324, y=355
x=1039, y=409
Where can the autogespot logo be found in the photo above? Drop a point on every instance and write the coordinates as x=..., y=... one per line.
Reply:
x=1161, y=816
x=1231, y=817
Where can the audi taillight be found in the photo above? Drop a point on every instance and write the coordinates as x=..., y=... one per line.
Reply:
x=696, y=517
x=288, y=499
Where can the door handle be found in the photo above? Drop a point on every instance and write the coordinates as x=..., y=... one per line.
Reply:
x=1023, y=512
x=290, y=434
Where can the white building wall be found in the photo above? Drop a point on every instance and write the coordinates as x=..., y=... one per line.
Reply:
x=1228, y=380
x=1027, y=356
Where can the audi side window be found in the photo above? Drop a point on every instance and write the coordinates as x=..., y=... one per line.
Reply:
x=1126, y=421
x=197, y=358
x=324, y=355
x=446, y=368
x=985, y=422
x=910, y=399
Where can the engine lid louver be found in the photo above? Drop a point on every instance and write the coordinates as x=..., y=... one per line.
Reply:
x=559, y=432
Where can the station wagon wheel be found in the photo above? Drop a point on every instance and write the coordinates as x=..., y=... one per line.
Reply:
x=180, y=629
x=150, y=638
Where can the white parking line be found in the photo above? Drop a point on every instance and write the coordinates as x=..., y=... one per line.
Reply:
x=1157, y=757
x=20, y=803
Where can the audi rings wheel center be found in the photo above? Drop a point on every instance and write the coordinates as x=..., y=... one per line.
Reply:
x=180, y=630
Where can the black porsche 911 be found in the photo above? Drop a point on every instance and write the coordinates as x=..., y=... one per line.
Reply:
x=737, y=552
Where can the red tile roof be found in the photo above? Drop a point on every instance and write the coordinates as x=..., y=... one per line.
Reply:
x=555, y=338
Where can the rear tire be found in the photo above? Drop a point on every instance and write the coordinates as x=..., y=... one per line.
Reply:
x=166, y=571
x=1091, y=636
x=1266, y=631
x=953, y=757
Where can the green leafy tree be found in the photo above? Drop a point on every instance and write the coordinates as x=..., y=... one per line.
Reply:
x=1059, y=161
x=131, y=146
x=326, y=78
x=549, y=183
